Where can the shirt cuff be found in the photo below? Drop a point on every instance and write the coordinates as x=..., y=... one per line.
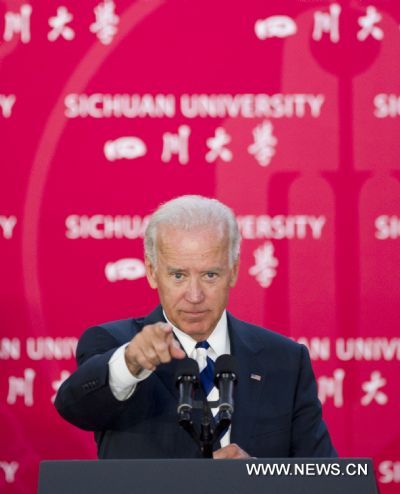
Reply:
x=122, y=382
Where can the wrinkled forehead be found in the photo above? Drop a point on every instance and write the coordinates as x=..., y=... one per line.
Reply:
x=169, y=235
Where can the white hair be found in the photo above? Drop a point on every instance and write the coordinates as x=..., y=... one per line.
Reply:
x=191, y=212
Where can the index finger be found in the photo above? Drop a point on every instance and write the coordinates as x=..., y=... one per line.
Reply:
x=160, y=328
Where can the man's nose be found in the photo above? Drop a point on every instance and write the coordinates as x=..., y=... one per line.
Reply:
x=194, y=293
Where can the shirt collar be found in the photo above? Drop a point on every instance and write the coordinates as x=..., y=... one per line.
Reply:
x=218, y=339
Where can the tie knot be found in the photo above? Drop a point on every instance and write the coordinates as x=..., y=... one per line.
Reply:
x=203, y=344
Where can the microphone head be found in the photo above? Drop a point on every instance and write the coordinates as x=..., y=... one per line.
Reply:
x=225, y=364
x=187, y=367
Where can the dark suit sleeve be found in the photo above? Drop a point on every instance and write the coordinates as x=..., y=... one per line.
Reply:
x=85, y=398
x=310, y=437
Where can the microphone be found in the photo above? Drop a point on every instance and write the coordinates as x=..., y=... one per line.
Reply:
x=225, y=379
x=187, y=378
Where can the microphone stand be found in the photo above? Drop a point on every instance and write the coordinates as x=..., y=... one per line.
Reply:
x=186, y=382
x=208, y=435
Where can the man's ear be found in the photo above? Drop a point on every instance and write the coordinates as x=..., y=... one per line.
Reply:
x=150, y=273
x=234, y=273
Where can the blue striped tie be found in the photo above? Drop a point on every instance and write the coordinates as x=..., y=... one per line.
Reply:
x=207, y=374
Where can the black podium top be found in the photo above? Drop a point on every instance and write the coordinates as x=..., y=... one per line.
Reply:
x=257, y=476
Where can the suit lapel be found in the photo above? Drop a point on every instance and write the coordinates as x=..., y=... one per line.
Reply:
x=245, y=347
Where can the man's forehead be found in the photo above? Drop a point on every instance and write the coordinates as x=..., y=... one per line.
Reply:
x=208, y=245
x=168, y=233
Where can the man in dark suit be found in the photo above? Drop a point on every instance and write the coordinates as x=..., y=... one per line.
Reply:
x=124, y=387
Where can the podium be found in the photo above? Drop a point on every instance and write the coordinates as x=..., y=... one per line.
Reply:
x=207, y=476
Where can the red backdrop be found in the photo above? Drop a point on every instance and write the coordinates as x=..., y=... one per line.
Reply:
x=287, y=111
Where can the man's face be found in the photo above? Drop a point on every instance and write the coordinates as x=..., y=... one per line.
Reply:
x=193, y=277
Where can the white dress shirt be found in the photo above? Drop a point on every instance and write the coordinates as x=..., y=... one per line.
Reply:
x=123, y=383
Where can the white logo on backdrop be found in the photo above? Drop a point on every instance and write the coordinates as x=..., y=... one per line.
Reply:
x=7, y=224
x=280, y=226
x=21, y=386
x=58, y=23
x=282, y=26
x=389, y=472
x=220, y=106
x=387, y=227
x=217, y=147
x=18, y=23
x=176, y=144
x=368, y=27
x=125, y=269
x=327, y=23
x=332, y=387
x=105, y=226
x=372, y=390
x=105, y=26
x=278, y=26
x=264, y=268
x=6, y=104
x=9, y=468
x=263, y=147
x=386, y=105
x=125, y=148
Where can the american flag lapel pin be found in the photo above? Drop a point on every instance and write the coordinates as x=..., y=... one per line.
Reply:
x=256, y=377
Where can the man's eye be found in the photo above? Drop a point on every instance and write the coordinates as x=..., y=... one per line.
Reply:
x=177, y=276
x=211, y=276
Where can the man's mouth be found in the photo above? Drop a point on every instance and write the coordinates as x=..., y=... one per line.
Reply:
x=194, y=313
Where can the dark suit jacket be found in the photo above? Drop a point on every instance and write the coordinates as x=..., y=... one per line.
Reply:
x=277, y=416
